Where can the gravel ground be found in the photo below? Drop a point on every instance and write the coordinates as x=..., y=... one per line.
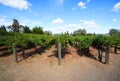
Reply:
x=44, y=67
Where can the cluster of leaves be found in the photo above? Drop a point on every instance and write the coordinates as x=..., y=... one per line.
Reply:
x=64, y=39
x=30, y=40
x=111, y=41
x=115, y=41
x=26, y=40
x=81, y=41
x=79, y=32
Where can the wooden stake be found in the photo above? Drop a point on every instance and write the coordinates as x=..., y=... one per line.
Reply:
x=115, y=49
x=59, y=53
x=15, y=53
x=107, y=55
x=100, y=55
x=23, y=53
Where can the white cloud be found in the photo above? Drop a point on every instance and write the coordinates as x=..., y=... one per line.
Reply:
x=63, y=28
x=22, y=21
x=30, y=23
x=72, y=27
x=90, y=24
x=116, y=7
x=82, y=5
x=33, y=12
x=58, y=21
x=97, y=30
x=114, y=20
x=4, y=21
x=60, y=1
x=20, y=4
x=88, y=0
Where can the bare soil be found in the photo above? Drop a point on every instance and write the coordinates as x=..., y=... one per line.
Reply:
x=42, y=65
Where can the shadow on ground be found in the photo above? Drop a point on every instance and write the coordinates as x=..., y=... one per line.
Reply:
x=64, y=51
x=86, y=52
x=30, y=52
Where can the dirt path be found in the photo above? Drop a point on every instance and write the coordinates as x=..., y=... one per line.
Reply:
x=44, y=67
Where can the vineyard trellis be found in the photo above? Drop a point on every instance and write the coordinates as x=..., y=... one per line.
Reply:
x=82, y=42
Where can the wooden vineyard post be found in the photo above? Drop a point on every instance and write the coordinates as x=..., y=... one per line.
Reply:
x=15, y=53
x=23, y=53
x=115, y=49
x=107, y=55
x=99, y=55
x=59, y=53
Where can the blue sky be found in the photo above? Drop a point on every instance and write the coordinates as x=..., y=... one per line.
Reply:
x=58, y=16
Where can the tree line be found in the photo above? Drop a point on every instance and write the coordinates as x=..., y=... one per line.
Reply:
x=16, y=27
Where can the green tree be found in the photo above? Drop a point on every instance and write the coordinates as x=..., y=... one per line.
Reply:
x=21, y=28
x=37, y=30
x=47, y=33
x=15, y=27
x=3, y=28
x=113, y=32
x=26, y=30
x=79, y=32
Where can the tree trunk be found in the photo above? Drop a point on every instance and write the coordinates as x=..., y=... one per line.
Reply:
x=100, y=55
x=15, y=53
x=23, y=53
x=107, y=55
x=36, y=50
x=87, y=50
x=115, y=49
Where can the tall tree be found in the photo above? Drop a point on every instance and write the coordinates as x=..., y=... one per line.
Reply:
x=37, y=30
x=79, y=32
x=26, y=30
x=3, y=28
x=113, y=32
x=15, y=27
